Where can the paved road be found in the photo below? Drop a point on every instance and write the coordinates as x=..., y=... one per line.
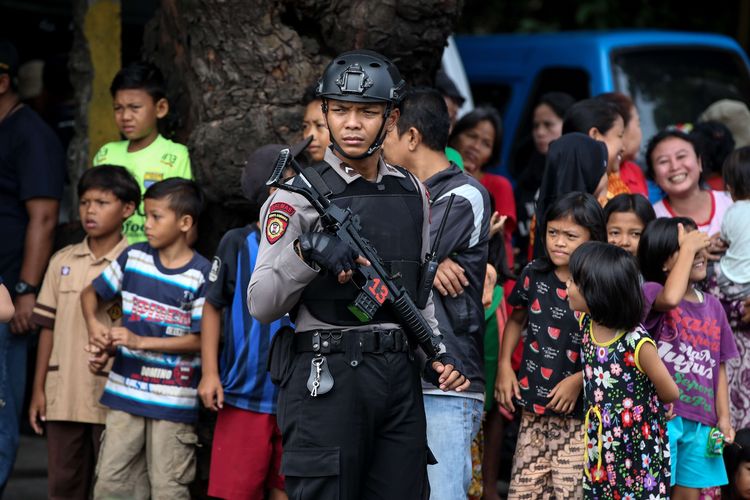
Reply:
x=29, y=478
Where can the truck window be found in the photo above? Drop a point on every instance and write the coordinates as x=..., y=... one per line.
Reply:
x=675, y=85
x=573, y=81
x=491, y=94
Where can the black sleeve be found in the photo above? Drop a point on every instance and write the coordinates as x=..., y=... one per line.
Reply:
x=41, y=172
x=519, y=297
x=223, y=275
x=458, y=226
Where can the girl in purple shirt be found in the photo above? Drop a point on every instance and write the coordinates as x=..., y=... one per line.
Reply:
x=694, y=341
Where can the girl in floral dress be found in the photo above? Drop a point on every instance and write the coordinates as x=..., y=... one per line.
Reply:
x=626, y=447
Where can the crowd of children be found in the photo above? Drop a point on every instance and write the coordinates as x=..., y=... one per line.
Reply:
x=623, y=389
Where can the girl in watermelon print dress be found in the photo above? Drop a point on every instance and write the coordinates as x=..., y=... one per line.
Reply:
x=626, y=444
x=549, y=451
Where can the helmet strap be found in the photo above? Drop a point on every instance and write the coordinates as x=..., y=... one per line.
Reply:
x=377, y=143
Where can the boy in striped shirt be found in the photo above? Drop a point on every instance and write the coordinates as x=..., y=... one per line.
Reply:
x=148, y=448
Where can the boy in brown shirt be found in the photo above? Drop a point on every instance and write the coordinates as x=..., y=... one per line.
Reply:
x=66, y=394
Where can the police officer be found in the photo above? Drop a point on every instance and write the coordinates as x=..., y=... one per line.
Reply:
x=350, y=405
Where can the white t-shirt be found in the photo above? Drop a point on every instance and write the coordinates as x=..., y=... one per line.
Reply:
x=735, y=230
x=720, y=202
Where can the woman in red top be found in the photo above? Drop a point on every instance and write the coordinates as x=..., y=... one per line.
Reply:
x=476, y=137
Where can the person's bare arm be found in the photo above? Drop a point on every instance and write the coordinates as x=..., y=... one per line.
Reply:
x=209, y=388
x=98, y=333
x=7, y=309
x=506, y=386
x=651, y=364
x=722, y=406
x=121, y=336
x=678, y=279
x=38, y=242
x=490, y=278
x=38, y=406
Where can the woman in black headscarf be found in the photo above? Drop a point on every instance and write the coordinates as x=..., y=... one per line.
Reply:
x=575, y=162
x=547, y=124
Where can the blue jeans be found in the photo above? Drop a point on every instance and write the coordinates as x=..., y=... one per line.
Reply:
x=13, y=350
x=452, y=424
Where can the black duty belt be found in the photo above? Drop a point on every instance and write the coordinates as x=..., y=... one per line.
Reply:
x=367, y=341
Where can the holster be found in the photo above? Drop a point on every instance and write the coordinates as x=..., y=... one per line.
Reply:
x=281, y=356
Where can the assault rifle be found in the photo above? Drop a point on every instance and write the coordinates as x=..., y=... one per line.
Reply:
x=376, y=285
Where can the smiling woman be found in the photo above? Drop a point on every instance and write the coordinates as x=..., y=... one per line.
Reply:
x=674, y=163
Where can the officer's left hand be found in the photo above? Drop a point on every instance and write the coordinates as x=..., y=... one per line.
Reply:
x=450, y=378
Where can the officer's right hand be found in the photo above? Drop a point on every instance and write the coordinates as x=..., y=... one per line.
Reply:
x=329, y=252
x=450, y=379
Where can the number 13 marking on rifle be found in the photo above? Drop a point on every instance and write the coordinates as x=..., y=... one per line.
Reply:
x=378, y=290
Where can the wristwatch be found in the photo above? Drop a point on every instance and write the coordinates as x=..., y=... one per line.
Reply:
x=22, y=288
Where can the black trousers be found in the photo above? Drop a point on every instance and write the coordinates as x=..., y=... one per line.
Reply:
x=72, y=450
x=365, y=439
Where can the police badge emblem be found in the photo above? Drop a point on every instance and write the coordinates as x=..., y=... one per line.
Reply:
x=278, y=220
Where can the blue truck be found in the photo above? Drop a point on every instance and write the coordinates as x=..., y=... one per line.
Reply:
x=671, y=76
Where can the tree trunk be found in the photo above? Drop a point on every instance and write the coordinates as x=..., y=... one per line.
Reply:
x=236, y=72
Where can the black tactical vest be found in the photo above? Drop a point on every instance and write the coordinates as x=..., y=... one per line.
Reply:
x=391, y=217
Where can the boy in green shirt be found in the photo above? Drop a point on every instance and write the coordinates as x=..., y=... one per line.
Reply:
x=139, y=101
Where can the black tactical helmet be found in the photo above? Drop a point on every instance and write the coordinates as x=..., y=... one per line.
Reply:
x=361, y=76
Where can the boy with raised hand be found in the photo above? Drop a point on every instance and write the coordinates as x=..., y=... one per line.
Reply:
x=148, y=449
x=65, y=395
x=246, y=452
x=139, y=100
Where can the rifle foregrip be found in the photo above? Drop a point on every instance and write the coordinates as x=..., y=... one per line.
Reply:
x=416, y=324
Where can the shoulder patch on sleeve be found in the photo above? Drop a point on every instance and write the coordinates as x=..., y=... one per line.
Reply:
x=278, y=220
x=213, y=275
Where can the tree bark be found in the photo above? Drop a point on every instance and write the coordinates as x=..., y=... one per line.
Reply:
x=236, y=72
